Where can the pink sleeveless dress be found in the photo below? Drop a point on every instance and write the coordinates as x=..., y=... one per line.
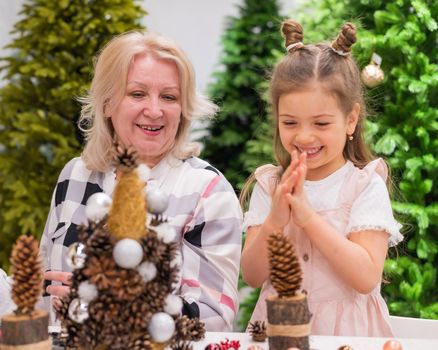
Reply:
x=351, y=200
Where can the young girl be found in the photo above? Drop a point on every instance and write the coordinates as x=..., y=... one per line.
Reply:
x=327, y=195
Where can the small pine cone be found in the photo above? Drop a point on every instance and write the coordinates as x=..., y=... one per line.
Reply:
x=61, y=309
x=101, y=271
x=153, y=248
x=28, y=274
x=127, y=286
x=141, y=343
x=100, y=242
x=258, y=331
x=105, y=308
x=285, y=271
x=138, y=314
x=73, y=339
x=181, y=345
x=154, y=295
x=86, y=230
x=189, y=329
x=124, y=158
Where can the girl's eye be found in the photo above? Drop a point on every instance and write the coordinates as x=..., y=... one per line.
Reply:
x=322, y=124
x=289, y=122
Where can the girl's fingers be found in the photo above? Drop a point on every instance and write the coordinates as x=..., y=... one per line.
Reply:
x=59, y=291
x=292, y=166
x=290, y=182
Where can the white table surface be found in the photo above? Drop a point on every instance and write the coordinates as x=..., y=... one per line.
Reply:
x=322, y=342
x=316, y=342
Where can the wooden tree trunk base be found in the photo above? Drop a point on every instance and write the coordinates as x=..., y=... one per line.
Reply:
x=23, y=330
x=288, y=322
x=43, y=345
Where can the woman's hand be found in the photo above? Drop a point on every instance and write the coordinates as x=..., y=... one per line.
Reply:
x=301, y=211
x=59, y=276
x=280, y=212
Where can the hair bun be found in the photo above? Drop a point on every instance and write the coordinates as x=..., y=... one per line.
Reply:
x=292, y=32
x=346, y=38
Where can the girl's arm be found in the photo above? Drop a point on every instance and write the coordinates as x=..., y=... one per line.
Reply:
x=254, y=261
x=358, y=259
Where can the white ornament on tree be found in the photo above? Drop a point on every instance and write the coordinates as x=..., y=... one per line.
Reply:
x=76, y=255
x=161, y=327
x=165, y=232
x=173, y=304
x=98, y=205
x=143, y=172
x=147, y=271
x=87, y=291
x=157, y=200
x=78, y=311
x=128, y=253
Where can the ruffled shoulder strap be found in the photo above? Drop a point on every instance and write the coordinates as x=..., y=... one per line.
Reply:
x=267, y=176
x=358, y=179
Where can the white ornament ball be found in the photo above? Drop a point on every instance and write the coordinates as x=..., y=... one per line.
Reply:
x=372, y=75
x=165, y=232
x=98, y=205
x=76, y=255
x=128, y=253
x=87, y=291
x=173, y=304
x=147, y=271
x=161, y=327
x=177, y=260
x=157, y=200
x=143, y=172
x=78, y=311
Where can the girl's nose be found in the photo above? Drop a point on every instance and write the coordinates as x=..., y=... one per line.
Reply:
x=304, y=137
x=153, y=108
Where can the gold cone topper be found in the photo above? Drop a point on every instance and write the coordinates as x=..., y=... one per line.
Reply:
x=372, y=75
x=127, y=217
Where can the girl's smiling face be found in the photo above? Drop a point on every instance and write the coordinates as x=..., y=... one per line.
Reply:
x=149, y=113
x=311, y=121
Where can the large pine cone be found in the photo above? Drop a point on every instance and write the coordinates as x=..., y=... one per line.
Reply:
x=27, y=273
x=285, y=271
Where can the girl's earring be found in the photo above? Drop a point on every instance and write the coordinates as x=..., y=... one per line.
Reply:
x=350, y=137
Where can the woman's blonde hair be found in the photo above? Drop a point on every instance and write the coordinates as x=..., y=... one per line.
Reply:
x=108, y=86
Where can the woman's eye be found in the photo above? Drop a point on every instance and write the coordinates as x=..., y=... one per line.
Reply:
x=137, y=94
x=169, y=97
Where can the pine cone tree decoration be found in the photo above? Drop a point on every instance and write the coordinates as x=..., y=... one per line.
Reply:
x=181, y=345
x=257, y=330
x=124, y=158
x=190, y=328
x=285, y=271
x=28, y=274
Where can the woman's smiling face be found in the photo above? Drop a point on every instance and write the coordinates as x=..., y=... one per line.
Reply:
x=311, y=121
x=149, y=113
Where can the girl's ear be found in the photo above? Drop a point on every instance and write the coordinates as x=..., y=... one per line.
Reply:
x=353, y=118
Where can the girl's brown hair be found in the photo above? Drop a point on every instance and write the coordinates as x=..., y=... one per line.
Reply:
x=332, y=66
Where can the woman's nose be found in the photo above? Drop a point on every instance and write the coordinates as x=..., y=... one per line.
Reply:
x=153, y=108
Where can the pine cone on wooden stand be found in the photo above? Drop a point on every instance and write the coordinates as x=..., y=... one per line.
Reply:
x=26, y=290
x=288, y=312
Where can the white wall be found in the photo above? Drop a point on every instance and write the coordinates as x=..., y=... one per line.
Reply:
x=196, y=25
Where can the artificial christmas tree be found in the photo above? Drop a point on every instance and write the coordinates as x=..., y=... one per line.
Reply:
x=51, y=60
x=122, y=293
x=248, y=41
x=26, y=328
x=288, y=312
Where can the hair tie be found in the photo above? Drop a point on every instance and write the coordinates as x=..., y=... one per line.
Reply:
x=339, y=52
x=291, y=46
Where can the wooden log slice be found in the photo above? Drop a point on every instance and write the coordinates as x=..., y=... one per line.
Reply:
x=25, y=329
x=288, y=322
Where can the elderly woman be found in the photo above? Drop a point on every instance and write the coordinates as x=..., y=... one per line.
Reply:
x=143, y=93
